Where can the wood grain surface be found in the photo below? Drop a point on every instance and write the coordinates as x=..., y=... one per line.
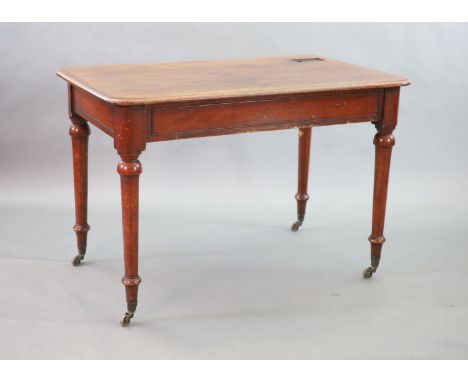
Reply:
x=206, y=80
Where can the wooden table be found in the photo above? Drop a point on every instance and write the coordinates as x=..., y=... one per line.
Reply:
x=138, y=104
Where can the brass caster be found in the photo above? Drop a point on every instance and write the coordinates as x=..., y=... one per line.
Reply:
x=125, y=321
x=77, y=260
x=296, y=226
x=368, y=272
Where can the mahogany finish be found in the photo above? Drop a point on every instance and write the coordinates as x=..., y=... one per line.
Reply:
x=136, y=104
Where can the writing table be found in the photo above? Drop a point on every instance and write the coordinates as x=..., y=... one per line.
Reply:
x=138, y=104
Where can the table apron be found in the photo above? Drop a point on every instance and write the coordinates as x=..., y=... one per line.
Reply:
x=93, y=109
x=175, y=122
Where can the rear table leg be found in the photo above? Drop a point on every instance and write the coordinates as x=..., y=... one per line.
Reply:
x=303, y=175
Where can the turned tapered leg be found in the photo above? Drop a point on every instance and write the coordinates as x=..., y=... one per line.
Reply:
x=130, y=170
x=303, y=175
x=383, y=142
x=79, y=132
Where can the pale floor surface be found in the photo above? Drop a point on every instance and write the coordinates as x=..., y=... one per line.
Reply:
x=245, y=288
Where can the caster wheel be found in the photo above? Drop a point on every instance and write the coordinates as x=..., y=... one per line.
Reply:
x=367, y=273
x=295, y=226
x=125, y=321
x=77, y=260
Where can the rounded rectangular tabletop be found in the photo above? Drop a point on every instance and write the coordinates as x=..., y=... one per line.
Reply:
x=206, y=80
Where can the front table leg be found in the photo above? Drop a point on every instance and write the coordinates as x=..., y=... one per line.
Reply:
x=79, y=132
x=130, y=169
x=384, y=142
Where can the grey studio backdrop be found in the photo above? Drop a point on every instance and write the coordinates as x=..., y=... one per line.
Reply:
x=223, y=276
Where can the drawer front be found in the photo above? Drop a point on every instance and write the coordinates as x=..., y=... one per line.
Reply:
x=243, y=116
